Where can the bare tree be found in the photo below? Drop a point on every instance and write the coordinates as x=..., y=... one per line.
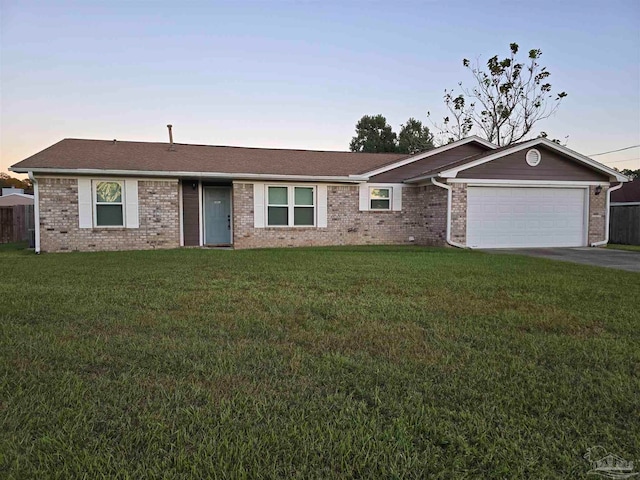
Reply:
x=507, y=100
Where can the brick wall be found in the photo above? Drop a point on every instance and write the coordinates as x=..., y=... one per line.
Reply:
x=459, y=213
x=597, y=211
x=59, y=231
x=423, y=217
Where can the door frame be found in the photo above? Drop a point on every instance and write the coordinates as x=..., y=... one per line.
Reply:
x=229, y=188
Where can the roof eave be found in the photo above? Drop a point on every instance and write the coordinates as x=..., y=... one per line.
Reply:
x=183, y=174
x=429, y=153
x=613, y=175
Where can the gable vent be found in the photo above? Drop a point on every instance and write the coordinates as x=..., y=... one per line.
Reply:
x=533, y=157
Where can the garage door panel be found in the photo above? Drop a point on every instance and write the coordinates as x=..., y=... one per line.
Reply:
x=525, y=217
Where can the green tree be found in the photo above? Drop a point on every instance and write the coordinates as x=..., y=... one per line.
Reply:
x=414, y=137
x=373, y=135
x=632, y=174
x=505, y=102
x=7, y=181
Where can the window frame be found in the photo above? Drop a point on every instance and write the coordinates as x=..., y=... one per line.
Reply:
x=291, y=205
x=389, y=198
x=95, y=203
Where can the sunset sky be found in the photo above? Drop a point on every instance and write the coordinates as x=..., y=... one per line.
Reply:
x=299, y=74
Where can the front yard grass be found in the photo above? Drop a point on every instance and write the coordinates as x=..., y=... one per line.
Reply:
x=364, y=362
x=618, y=246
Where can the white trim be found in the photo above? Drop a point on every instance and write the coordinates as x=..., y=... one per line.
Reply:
x=181, y=174
x=291, y=206
x=429, y=153
x=448, y=188
x=94, y=202
x=453, y=172
x=131, y=205
x=36, y=210
x=259, y=220
x=139, y=178
x=200, y=215
x=85, y=202
x=21, y=195
x=624, y=204
x=395, y=199
x=487, y=182
x=607, y=211
x=363, y=197
x=389, y=199
x=180, y=214
x=322, y=206
x=585, y=219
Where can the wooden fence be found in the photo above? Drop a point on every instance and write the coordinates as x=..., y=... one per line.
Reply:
x=16, y=224
x=624, y=224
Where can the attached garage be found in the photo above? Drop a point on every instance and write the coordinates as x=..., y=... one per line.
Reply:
x=520, y=216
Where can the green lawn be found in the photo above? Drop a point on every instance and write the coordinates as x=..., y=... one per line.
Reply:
x=368, y=362
x=633, y=248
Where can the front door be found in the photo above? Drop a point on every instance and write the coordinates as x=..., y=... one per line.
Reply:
x=217, y=215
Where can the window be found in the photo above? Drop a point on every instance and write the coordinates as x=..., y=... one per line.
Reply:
x=109, y=205
x=380, y=199
x=291, y=206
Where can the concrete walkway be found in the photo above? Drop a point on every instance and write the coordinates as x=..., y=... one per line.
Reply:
x=601, y=257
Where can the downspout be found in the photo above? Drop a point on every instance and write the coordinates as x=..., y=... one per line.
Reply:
x=607, y=214
x=449, y=197
x=36, y=210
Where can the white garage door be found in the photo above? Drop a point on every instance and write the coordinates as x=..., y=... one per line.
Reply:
x=512, y=217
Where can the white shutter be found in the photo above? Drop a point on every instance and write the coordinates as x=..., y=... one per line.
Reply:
x=364, y=196
x=131, y=204
x=258, y=205
x=396, y=202
x=85, y=203
x=322, y=206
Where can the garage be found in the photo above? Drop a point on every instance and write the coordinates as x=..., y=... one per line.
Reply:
x=519, y=217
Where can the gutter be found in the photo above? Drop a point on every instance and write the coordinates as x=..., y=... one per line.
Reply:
x=203, y=175
x=449, y=196
x=607, y=215
x=36, y=210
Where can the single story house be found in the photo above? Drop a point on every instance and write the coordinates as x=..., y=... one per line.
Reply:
x=116, y=195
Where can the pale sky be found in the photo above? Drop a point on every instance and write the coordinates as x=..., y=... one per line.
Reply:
x=299, y=74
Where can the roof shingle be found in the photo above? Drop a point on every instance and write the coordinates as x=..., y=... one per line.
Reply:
x=157, y=157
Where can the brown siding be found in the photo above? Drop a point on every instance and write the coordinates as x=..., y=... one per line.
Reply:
x=552, y=166
x=190, y=213
x=414, y=169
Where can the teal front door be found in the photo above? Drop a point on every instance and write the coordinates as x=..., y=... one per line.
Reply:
x=217, y=215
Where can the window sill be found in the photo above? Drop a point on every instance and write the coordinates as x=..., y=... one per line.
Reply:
x=291, y=229
x=109, y=229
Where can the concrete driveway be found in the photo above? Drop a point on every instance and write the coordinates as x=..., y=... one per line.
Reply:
x=601, y=257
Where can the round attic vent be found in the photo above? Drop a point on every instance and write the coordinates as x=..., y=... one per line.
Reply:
x=533, y=157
